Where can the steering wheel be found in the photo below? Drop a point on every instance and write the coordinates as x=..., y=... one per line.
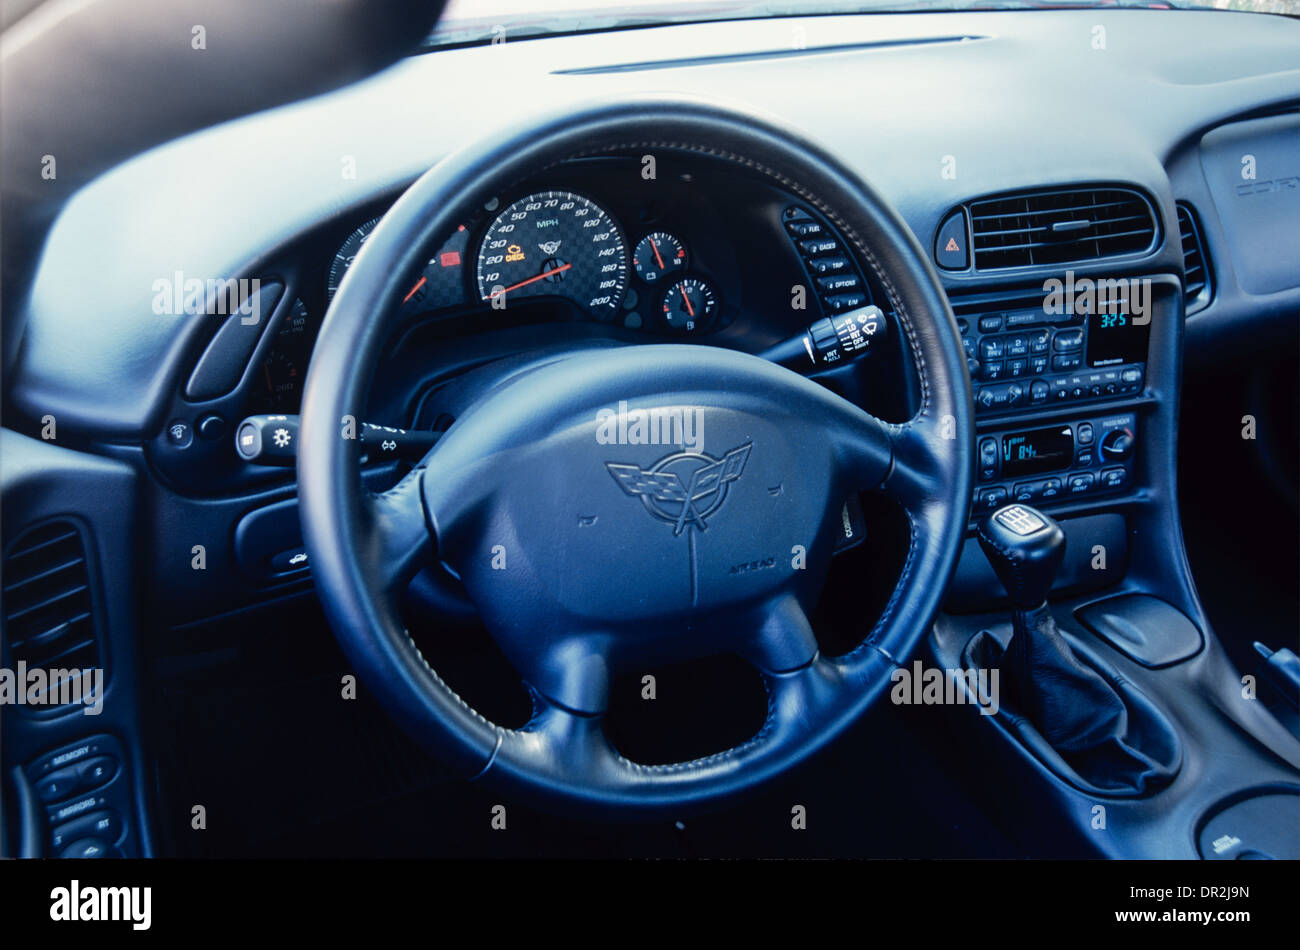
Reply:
x=585, y=559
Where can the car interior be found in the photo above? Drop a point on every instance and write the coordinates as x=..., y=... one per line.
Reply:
x=660, y=430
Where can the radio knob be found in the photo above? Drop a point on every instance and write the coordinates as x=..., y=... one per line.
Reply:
x=1117, y=444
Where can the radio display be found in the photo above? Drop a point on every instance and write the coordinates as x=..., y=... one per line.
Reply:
x=1037, y=450
x=1114, y=338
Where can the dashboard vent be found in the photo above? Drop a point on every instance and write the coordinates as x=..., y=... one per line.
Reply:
x=1060, y=227
x=1197, y=289
x=48, y=606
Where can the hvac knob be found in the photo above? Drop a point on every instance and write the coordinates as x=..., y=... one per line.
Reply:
x=1117, y=444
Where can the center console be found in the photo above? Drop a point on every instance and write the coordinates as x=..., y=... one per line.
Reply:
x=1047, y=383
x=1077, y=415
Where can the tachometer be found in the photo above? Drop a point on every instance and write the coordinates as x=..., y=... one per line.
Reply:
x=440, y=285
x=554, y=243
x=348, y=253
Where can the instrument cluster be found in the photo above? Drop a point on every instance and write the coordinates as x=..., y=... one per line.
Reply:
x=674, y=256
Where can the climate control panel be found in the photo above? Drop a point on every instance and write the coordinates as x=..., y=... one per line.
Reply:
x=1056, y=462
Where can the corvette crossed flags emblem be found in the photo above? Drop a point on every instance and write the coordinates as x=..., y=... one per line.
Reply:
x=683, y=488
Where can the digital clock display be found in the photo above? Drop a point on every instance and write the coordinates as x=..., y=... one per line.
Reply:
x=1037, y=450
x=1117, y=338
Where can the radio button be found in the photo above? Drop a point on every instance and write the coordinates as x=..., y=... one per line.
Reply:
x=993, y=370
x=1038, y=391
x=992, y=349
x=1067, y=340
x=1040, y=341
x=1073, y=361
x=990, y=323
x=1017, y=346
x=1018, y=367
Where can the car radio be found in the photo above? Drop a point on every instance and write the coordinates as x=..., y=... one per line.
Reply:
x=1055, y=462
x=1028, y=357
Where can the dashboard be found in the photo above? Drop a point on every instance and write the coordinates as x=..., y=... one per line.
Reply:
x=1076, y=412
x=906, y=102
x=678, y=252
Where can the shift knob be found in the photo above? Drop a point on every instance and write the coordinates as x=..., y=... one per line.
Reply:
x=1025, y=548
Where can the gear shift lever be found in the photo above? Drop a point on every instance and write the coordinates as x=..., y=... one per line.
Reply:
x=1025, y=548
x=1070, y=703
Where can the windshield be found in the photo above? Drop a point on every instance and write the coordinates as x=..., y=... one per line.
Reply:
x=467, y=22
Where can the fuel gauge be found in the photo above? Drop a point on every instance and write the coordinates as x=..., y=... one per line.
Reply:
x=689, y=305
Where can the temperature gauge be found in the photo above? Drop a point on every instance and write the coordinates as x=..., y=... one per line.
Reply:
x=657, y=256
x=689, y=305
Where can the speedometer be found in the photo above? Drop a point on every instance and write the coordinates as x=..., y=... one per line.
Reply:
x=554, y=243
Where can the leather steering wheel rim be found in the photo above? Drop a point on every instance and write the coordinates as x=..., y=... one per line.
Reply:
x=362, y=547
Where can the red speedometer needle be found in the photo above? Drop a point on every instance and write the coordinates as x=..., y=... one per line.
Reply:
x=655, y=247
x=531, y=280
x=686, y=300
x=420, y=283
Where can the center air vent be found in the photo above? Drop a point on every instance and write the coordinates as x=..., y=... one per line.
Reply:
x=49, y=616
x=1060, y=227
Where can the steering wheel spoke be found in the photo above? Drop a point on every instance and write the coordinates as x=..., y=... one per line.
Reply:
x=572, y=672
x=782, y=639
x=920, y=451
x=399, y=533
